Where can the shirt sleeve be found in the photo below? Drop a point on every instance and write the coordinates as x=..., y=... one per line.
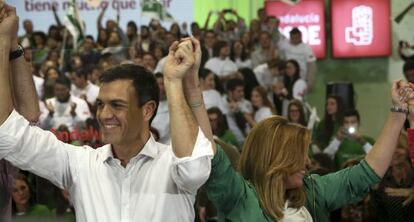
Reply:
x=189, y=173
x=38, y=151
x=299, y=89
x=346, y=186
x=332, y=148
x=310, y=56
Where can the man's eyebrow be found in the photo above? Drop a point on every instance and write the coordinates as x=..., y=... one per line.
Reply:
x=113, y=101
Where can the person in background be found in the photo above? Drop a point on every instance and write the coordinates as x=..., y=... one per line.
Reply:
x=262, y=107
x=211, y=96
x=329, y=125
x=266, y=50
x=237, y=107
x=221, y=64
x=63, y=108
x=83, y=88
x=161, y=121
x=296, y=113
x=239, y=55
x=296, y=49
x=295, y=86
x=270, y=72
x=349, y=143
x=220, y=128
x=24, y=207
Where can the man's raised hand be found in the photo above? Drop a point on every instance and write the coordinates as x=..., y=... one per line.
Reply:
x=180, y=60
x=9, y=23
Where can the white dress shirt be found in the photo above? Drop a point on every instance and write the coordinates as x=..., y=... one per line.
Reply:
x=221, y=67
x=154, y=186
x=91, y=91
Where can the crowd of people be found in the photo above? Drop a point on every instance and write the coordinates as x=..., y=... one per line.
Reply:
x=248, y=72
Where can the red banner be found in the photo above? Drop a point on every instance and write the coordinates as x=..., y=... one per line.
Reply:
x=308, y=16
x=361, y=28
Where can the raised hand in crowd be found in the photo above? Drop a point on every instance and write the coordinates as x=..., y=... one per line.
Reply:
x=73, y=109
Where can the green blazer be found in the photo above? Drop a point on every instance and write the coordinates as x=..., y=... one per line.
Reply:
x=236, y=199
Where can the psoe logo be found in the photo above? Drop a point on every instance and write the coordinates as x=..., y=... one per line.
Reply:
x=361, y=32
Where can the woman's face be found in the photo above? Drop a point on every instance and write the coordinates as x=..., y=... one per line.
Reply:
x=246, y=38
x=257, y=100
x=225, y=51
x=295, y=180
x=209, y=82
x=21, y=192
x=290, y=69
x=294, y=113
x=52, y=74
x=331, y=106
x=103, y=36
x=238, y=48
x=255, y=25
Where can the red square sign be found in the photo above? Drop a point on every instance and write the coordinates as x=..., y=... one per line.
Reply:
x=360, y=28
x=308, y=16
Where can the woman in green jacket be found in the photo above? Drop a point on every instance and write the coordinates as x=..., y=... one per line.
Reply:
x=272, y=184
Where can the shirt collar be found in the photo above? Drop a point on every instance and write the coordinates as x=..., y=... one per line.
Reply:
x=150, y=149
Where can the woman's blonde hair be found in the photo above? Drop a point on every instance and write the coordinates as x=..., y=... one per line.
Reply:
x=273, y=150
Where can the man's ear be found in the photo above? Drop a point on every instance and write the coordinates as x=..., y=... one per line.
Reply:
x=149, y=110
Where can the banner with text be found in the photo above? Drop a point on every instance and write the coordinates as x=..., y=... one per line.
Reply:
x=361, y=28
x=308, y=16
x=40, y=12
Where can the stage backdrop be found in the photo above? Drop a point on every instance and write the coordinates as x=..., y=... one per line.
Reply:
x=40, y=12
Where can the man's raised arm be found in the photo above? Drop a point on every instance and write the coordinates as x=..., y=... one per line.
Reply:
x=24, y=92
x=8, y=28
x=184, y=128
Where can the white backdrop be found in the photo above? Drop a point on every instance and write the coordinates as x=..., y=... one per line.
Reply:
x=40, y=12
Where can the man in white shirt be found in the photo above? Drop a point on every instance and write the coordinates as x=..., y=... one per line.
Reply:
x=266, y=50
x=303, y=54
x=268, y=72
x=133, y=178
x=64, y=108
x=83, y=88
x=237, y=106
x=221, y=64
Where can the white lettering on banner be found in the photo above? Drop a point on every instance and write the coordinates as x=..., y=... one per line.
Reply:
x=296, y=18
x=40, y=11
x=361, y=32
x=310, y=33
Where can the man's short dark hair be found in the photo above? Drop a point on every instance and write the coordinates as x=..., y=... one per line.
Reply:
x=352, y=112
x=408, y=65
x=294, y=31
x=218, y=45
x=63, y=80
x=232, y=84
x=144, y=82
x=83, y=72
